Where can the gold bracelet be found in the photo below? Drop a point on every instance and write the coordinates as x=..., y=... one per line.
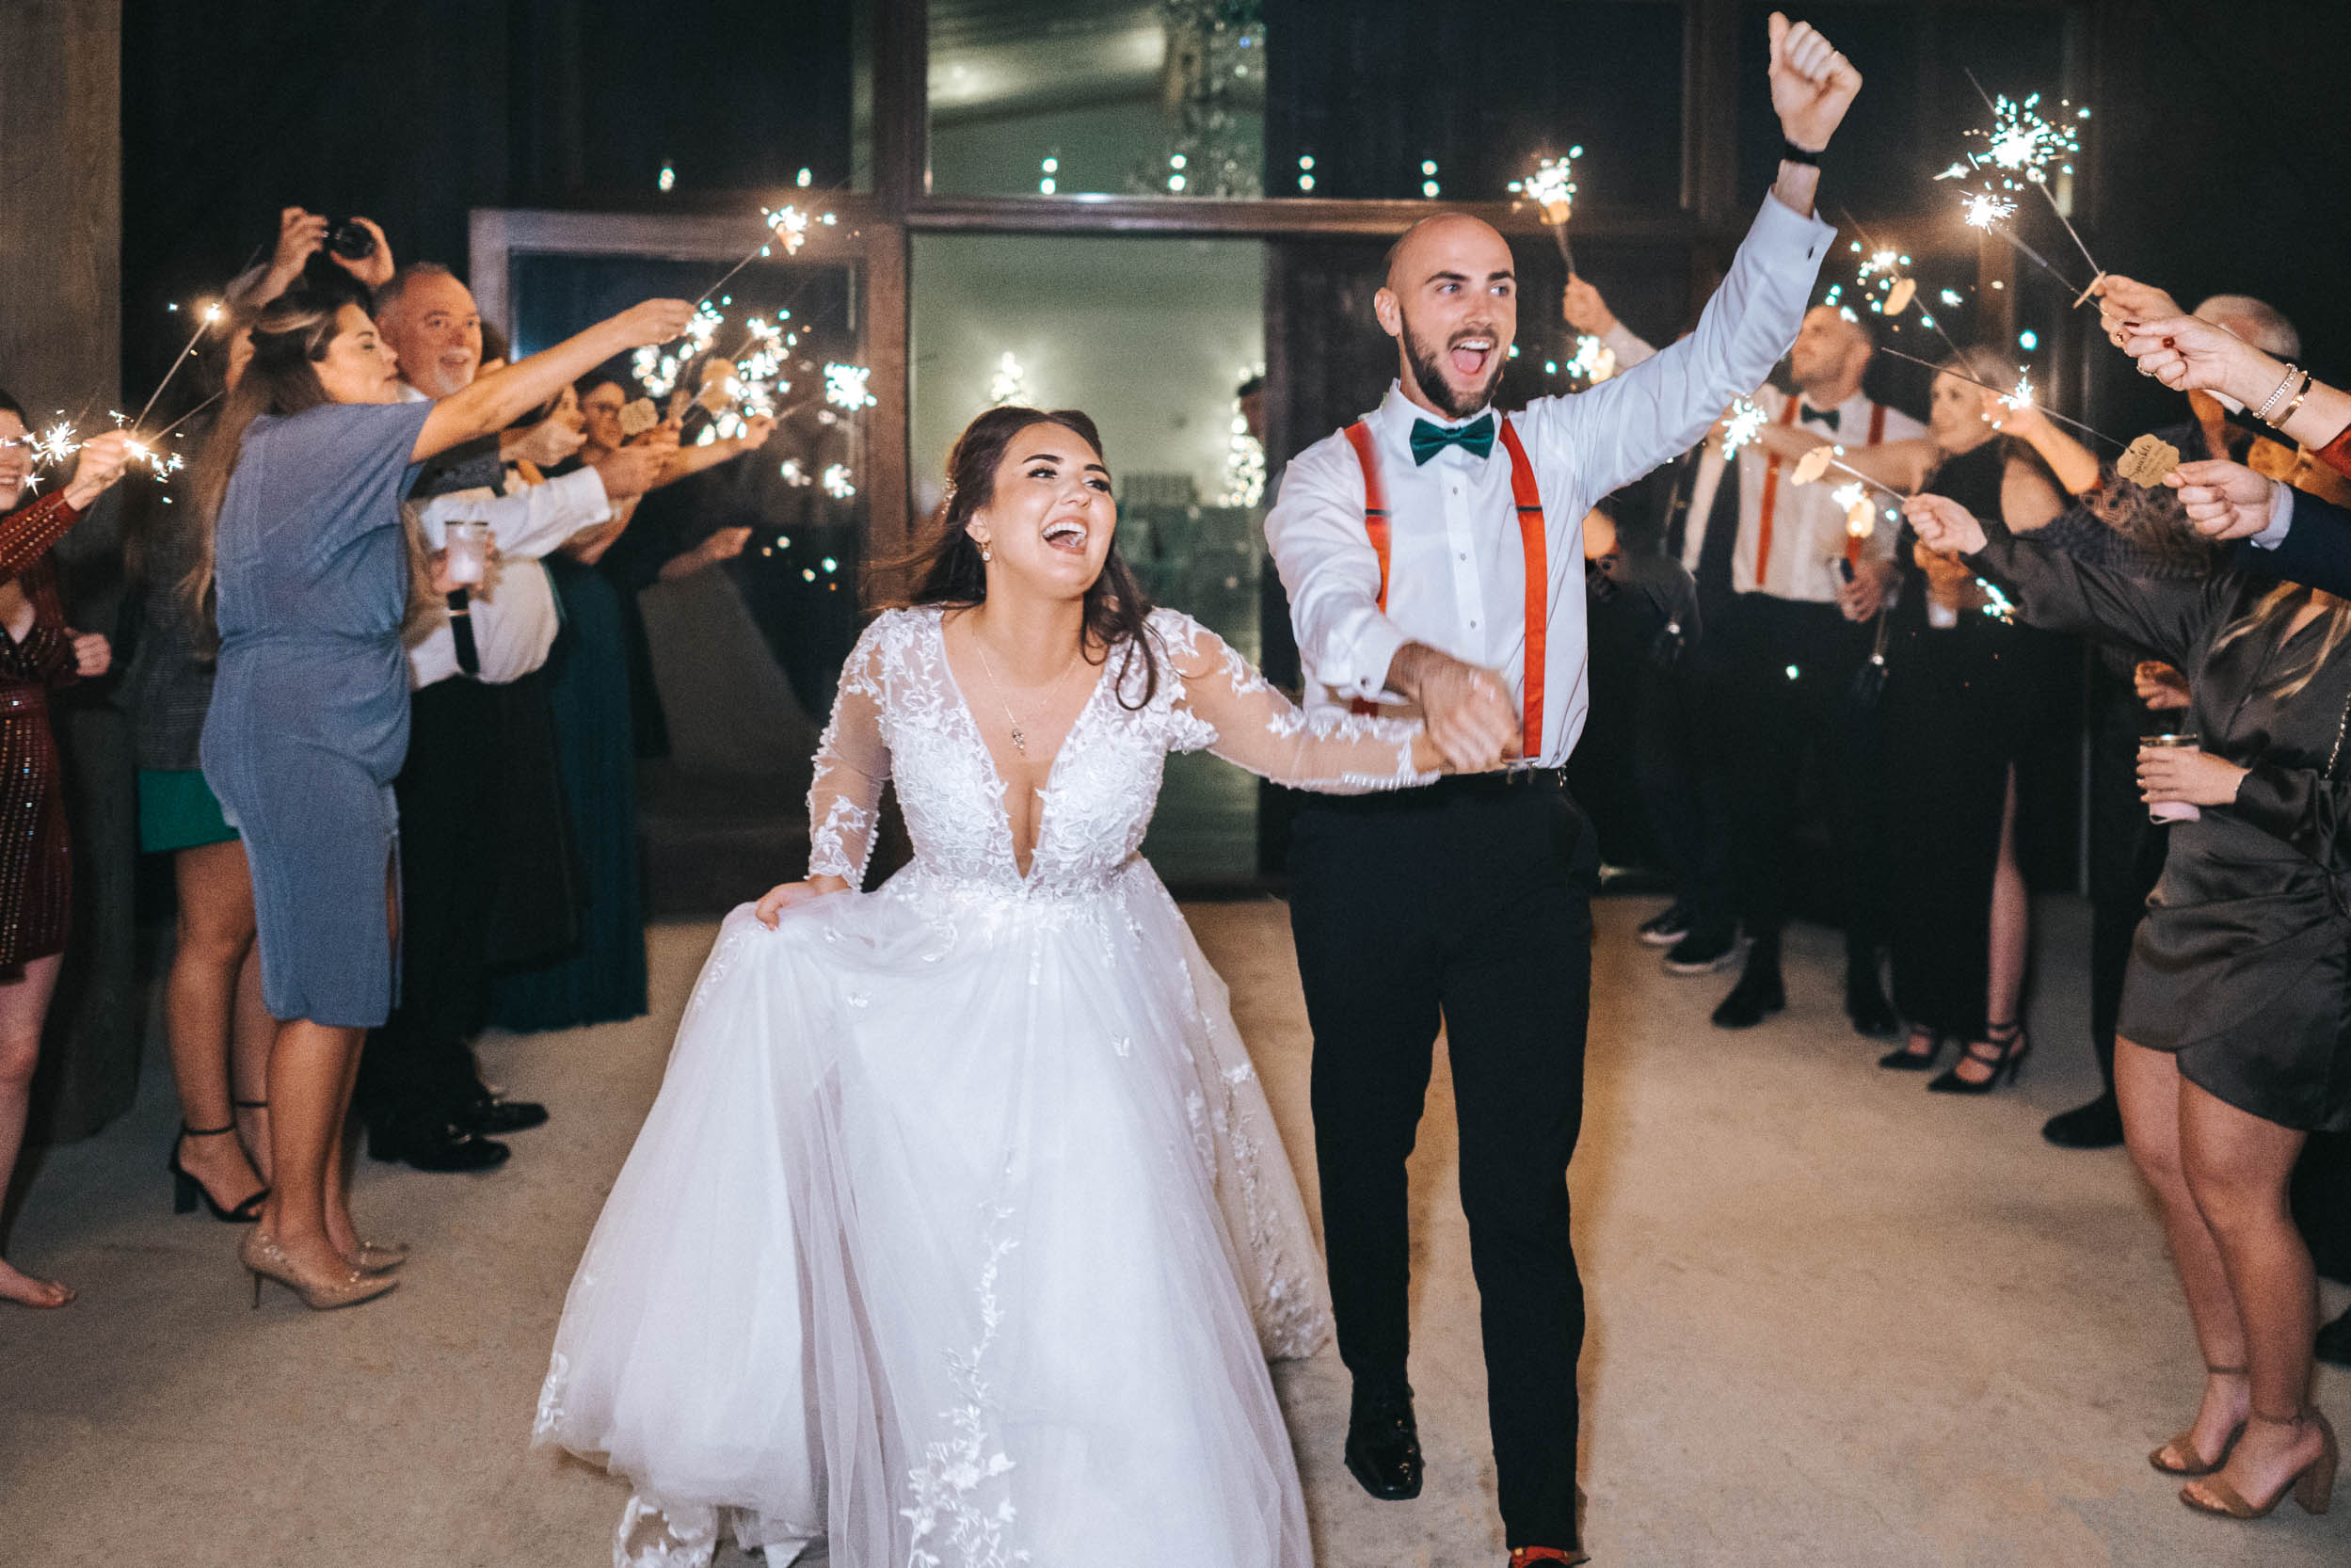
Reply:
x=2286, y=413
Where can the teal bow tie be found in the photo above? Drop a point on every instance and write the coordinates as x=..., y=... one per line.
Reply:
x=1476, y=438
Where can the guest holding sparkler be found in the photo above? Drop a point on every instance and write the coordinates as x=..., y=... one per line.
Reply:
x=1785, y=586
x=38, y=651
x=2233, y=1046
x=590, y=681
x=299, y=485
x=486, y=857
x=1968, y=692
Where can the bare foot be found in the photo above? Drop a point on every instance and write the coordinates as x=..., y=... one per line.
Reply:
x=220, y=1166
x=26, y=1290
x=2267, y=1459
x=2228, y=1397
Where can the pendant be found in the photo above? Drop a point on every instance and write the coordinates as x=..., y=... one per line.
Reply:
x=1020, y=742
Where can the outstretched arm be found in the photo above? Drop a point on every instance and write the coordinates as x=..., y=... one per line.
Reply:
x=2059, y=593
x=1628, y=424
x=497, y=400
x=1243, y=719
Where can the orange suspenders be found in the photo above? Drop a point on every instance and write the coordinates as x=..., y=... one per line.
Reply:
x=1771, y=492
x=1528, y=504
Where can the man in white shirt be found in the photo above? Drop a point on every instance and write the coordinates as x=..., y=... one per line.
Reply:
x=481, y=812
x=1433, y=562
x=1784, y=585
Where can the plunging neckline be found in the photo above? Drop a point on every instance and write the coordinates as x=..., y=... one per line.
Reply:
x=1004, y=785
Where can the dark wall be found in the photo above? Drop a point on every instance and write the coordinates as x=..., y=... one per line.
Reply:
x=416, y=111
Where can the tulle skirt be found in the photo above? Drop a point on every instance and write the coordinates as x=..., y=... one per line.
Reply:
x=959, y=1234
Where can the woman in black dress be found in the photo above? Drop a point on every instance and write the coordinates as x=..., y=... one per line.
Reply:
x=2233, y=1045
x=1968, y=690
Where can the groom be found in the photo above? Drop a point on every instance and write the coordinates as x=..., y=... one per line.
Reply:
x=1432, y=556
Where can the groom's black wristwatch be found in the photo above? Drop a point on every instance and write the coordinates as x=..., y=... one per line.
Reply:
x=1790, y=152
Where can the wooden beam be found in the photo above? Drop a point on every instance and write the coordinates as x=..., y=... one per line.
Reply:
x=61, y=180
x=1293, y=216
x=1710, y=111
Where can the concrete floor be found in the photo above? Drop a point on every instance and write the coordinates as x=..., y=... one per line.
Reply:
x=1835, y=1321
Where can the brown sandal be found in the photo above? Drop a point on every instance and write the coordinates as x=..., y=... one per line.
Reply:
x=2313, y=1487
x=2184, y=1445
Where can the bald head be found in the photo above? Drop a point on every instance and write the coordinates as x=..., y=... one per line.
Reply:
x=1451, y=304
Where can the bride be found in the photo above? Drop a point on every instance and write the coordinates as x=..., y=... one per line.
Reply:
x=960, y=1233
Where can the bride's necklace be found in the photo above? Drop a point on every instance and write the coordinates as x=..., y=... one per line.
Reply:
x=1019, y=736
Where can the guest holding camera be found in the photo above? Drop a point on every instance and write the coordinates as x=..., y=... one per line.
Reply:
x=38, y=652
x=2232, y=1045
x=300, y=486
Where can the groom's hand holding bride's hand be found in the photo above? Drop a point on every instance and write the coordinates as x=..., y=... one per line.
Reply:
x=785, y=895
x=1466, y=711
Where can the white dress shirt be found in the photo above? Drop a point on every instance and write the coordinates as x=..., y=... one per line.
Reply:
x=1457, y=578
x=1808, y=529
x=513, y=608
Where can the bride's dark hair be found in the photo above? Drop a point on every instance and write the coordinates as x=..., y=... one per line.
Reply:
x=945, y=568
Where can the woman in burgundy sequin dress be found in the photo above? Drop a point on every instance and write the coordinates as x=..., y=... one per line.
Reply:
x=38, y=650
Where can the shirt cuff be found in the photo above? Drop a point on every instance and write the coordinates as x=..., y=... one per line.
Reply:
x=2280, y=517
x=585, y=497
x=1366, y=664
x=1781, y=227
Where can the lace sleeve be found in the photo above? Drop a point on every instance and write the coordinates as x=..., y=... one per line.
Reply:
x=1242, y=718
x=852, y=764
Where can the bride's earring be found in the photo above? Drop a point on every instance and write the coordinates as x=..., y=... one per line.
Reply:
x=985, y=554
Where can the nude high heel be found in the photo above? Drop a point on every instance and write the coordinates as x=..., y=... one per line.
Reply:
x=2313, y=1488
x=264, y=1259
x=2185, y=1442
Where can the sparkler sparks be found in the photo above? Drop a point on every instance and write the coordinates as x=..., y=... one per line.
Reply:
x=56, y=443
x=845, y=387
x=2022, y=140
x=795, y=473
x=1745, y=423
x=1552, y=188
x=837, y=482
x=1593, y=361
x=1987, y=209
x=2021, y=397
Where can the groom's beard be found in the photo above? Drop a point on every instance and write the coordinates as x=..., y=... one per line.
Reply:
x=1429, y=377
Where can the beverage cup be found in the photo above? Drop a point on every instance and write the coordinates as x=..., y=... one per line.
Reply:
x=2173, y=810
x=469, y=552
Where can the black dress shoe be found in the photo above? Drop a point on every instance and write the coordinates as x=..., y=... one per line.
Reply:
x=2334, y=1342
x=1664, y=929
x=493, y=1117
x=1757, y=994
x=1865, y=1004
x=1384, y=1442
x=1703, y=952
x=430, y=1145
x=2095, y=1126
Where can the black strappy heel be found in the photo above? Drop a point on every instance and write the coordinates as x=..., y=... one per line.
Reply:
x=186, y=1189
x=2010, y=1040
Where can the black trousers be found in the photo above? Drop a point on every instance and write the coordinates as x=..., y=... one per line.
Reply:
x=1469, y=902
x=418, y=1064
x=1781, y=678
x=1675, y=768
x=2126, y=854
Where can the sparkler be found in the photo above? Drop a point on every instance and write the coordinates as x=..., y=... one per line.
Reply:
x=1745, y=423
x=209, y=314
x=2024, y=144
x=2020, y=396
x=1594, y=362
x=787, y=225
x=795, y=473
x=1887, y=265
x=837, y=482
x=845, y=387
x=1552, y=188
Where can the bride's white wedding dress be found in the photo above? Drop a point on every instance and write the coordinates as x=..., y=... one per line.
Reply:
x=960, y=1232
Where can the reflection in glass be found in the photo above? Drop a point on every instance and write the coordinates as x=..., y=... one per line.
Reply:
x=1063, y=97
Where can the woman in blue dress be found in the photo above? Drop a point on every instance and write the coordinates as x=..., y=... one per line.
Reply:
x=311, y=564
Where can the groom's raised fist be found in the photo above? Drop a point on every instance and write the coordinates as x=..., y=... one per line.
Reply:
x=1812, y=85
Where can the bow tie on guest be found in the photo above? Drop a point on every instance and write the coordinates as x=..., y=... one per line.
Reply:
x=1806, y=415
x=1476, y=438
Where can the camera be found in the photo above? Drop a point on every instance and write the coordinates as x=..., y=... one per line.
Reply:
x=349, y=238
